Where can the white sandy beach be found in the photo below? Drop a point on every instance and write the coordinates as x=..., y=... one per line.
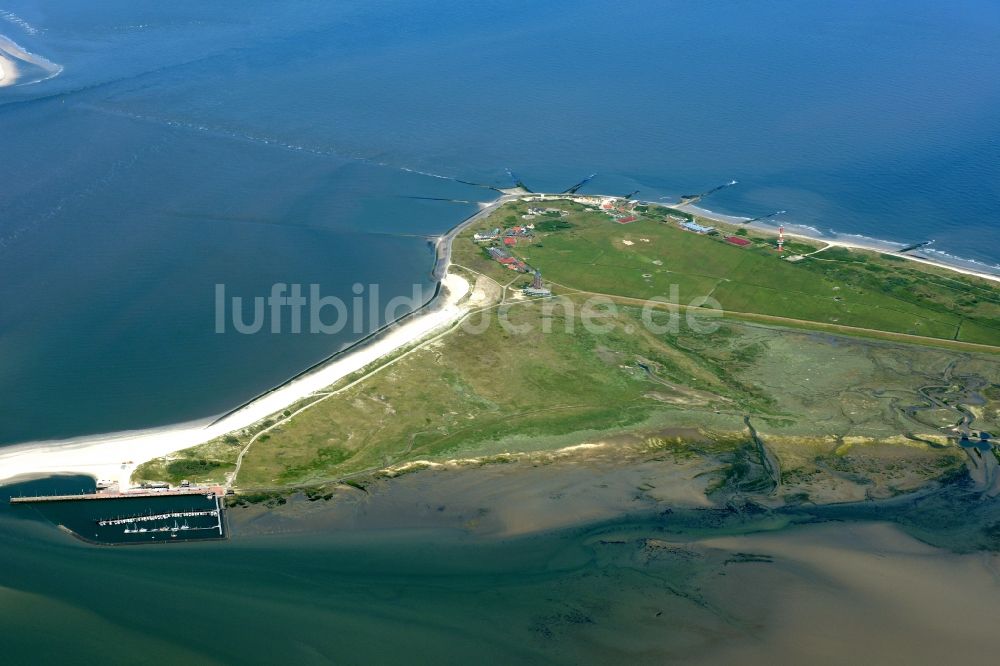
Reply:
x=857, y=245
x=8, y=72
x=103, y=456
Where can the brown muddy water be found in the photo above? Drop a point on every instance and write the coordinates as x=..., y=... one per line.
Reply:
x=573, y=561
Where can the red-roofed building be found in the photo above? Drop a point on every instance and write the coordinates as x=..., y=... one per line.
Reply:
x=626, y=220
x=510, y=240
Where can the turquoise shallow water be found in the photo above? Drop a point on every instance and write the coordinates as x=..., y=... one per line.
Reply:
x=184, y=145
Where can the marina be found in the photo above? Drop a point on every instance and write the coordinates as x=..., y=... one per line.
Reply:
x=132, y=523
x=162, y=516
x=137, y=515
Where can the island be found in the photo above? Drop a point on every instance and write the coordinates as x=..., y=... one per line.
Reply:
x=820, y=375
x=748, y=364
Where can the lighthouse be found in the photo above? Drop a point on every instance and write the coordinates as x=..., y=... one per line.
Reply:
x=781, y=238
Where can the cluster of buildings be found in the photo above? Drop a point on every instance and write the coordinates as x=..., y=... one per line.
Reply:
x=585, y=199
x=616, y=207
x=690, y=225
x=481, y=236
x=510, y=236
x=621, y=210
x=697, y=228
x=535, y=212
x=504, y=257
x=537, y=287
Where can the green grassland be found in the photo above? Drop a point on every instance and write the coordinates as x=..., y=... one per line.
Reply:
x=811, y=396
x=842, y=417
x=206, y=463
x=836, y=286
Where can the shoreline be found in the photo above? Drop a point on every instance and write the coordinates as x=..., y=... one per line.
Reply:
x=873, y=245
x=102, y=456
x=114, y=456
x=439, y=271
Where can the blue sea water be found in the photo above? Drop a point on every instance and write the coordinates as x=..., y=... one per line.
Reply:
x=189, y=144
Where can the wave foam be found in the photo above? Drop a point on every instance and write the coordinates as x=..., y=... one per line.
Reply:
x=952, y=257
x=13, y=18
x=861, y=240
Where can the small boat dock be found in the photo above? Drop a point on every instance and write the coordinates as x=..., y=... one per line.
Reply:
x=148, y=514
x=159, y=516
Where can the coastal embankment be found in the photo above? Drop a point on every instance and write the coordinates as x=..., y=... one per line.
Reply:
x=114, y=456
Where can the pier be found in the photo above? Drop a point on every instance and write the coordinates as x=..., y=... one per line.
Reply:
x=216, y=491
